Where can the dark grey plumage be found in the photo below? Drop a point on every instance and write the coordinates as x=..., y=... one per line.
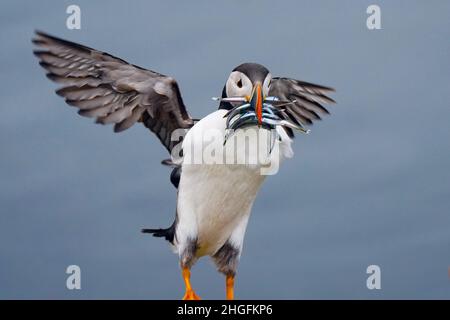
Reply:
x=112, y=90
x=308, y=98
x=254, y=71
x=226, y=259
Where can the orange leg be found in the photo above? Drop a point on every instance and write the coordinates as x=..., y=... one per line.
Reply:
x=230, y=287
x=190, y=294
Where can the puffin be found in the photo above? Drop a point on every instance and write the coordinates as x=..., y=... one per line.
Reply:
x=218, y=162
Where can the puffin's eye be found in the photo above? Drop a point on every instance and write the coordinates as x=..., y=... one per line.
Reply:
x=239, y=83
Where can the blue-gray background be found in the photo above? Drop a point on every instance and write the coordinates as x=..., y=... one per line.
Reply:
x=370, y=185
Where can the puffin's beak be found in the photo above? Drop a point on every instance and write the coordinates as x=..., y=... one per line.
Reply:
x=256, y=101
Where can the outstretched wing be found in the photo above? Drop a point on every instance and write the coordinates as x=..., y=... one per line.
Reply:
x=111, y=90
x=308, y=99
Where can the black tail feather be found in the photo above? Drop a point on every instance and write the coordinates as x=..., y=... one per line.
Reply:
x=168, y=233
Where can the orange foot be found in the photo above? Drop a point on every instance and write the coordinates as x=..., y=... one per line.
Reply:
x=230, y=287
x=190, y=295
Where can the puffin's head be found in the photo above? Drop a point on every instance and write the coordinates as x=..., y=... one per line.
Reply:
x=246, y=96
x=248, y=80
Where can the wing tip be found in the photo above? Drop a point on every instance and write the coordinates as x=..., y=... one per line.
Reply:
x=61, y=91
x=331, y=100
x=120, y=128
x=40, y=37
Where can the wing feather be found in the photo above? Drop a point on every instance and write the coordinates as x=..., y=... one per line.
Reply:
x=308, y=99
x=112, y=90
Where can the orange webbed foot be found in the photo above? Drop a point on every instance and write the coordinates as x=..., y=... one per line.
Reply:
x=190, y=295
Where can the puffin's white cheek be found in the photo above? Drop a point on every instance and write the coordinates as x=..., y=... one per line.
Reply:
x=232, y=90
x=237, y=92
x=246, y=92
x=238, y=85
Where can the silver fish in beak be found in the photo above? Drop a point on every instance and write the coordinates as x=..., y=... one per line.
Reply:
x=257, y=110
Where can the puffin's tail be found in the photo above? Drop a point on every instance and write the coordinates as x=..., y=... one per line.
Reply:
x=168, y=233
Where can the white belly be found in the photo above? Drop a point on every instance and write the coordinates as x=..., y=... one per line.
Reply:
x=213, y=198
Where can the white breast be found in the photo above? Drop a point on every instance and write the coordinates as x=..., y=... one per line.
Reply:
x=214, y=198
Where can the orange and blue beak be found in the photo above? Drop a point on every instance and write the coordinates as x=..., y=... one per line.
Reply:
x=256, y=101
